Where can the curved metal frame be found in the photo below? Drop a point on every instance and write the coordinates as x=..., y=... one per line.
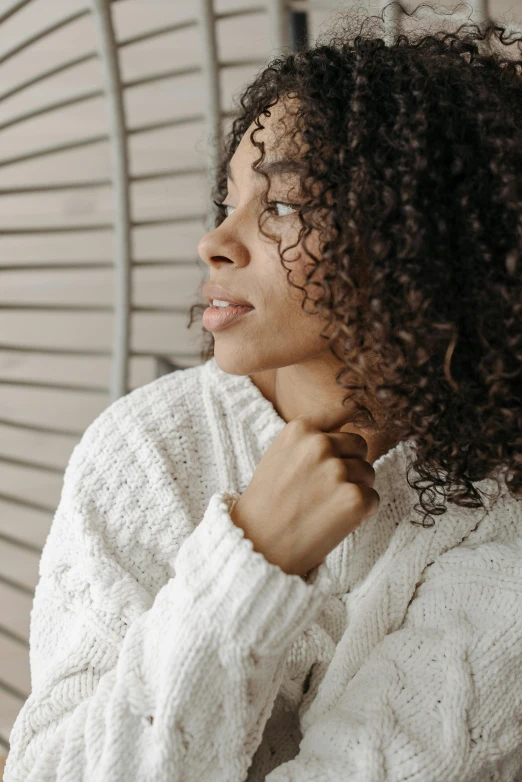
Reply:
x=121, y=181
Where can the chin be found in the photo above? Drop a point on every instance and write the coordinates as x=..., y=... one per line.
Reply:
x=236, y=360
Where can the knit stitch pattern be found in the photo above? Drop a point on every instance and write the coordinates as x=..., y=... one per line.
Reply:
x=163, y=648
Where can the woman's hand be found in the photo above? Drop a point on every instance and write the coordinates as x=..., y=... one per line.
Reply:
x=310, y=490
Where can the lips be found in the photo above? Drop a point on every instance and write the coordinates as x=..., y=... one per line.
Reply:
x=217, y=318
x=213, y=291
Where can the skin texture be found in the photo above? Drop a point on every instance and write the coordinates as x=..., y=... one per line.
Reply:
x=279, y=346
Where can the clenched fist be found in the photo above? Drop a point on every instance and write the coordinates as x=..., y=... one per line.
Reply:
x=310, y=490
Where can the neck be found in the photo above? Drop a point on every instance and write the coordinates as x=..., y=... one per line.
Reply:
x=293, y=390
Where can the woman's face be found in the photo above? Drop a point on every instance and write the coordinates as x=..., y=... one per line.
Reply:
x=277, y=333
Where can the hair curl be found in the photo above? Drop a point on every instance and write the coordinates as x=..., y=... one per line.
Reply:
x=413, y=176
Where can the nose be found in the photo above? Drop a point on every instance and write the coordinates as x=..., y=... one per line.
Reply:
x=222, y=246
x=207, y=250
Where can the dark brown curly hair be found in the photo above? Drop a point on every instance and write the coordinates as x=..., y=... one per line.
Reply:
x=413, y=177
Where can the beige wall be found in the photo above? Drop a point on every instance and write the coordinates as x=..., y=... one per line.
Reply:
x=32, y=461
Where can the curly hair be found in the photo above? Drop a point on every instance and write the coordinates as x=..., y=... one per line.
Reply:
x=412, y=175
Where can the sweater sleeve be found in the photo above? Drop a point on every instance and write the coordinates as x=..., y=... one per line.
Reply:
x=440, y=698
x=130, y=687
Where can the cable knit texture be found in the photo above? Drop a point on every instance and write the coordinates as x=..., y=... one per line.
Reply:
x=164, y=648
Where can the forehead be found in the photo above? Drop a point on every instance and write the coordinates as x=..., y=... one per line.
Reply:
x=282, y=146
x=278, y=167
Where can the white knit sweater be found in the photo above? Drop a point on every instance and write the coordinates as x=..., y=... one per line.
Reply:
x=163, y=648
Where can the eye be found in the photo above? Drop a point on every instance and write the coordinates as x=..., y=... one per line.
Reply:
x=295, y=207
x=272, y=205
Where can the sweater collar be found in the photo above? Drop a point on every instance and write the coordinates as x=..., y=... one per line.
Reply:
x=257, y=415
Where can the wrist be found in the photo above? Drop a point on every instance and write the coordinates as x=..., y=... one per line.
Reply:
x=270, y=550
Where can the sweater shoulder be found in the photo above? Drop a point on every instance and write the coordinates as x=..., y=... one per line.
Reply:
x=128, y=485
x=164, y=410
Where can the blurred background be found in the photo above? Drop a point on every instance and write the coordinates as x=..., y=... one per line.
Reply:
x=110, y=117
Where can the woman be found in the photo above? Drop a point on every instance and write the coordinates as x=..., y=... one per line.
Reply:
x=242, y=580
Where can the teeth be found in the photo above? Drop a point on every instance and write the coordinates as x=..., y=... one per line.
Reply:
x=219, y=303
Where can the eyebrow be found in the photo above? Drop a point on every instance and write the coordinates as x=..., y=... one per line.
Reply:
x=278, y=167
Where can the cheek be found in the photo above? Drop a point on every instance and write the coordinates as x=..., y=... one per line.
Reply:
x=286, y=287
x=301, y=328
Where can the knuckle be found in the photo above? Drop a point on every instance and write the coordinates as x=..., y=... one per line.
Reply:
x=321, y=445
x=363, y=500
x=373, y=501
x=357, y=497
x=341, y=470
x=301, y=424
x=295, y=430
x=377, y=500
x=357, y=471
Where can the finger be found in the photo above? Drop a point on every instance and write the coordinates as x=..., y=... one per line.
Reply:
x=360, y=472
x=364, y=502
x=349, y=444
x=331, y=417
